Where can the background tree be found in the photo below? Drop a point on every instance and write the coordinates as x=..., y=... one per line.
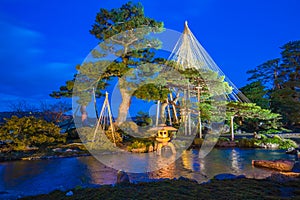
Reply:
x=211, y=87
x=54, y=112
x=21, y=107
x=257, y=93
x=267, y=74
x=263, y=120
x=143, y=119
x=281, y=77
x=286, y=100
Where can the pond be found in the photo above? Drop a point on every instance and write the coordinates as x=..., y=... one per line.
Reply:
x=23, y=178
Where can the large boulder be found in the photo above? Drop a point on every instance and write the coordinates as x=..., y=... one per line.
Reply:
x=279, y=165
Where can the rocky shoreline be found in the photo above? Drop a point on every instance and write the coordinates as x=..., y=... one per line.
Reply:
x=50, y=153
x=78, y=149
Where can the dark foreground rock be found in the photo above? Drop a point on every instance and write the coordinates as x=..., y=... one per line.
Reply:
x=282, y=177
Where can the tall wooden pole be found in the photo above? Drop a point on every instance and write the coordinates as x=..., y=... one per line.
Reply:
x=99, y=119
x=105, y=105
x=157, y=112
x=110, y=119
x=189, y=112
x=199, y=113
x=184, y=113
x=231, y=128
x=169, y=112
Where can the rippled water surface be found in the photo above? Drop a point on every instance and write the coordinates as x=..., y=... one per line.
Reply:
x=20, y=178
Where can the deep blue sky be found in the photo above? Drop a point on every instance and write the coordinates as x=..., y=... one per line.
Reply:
x=42, y=41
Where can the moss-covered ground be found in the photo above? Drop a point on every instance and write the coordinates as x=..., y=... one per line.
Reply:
x=186, y=189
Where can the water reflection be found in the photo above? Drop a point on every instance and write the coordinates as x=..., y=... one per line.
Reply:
x=34, y=177
x=235, y=164
x=96, y=173
x=167, y=172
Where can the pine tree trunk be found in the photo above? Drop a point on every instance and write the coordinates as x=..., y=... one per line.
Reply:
x=84, y=115
x=125, y=104
x=174, y=101
x=163, y=112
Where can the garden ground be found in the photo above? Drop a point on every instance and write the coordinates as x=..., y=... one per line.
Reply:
x=186, y=189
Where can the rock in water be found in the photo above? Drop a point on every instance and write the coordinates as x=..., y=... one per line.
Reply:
x=151, y=149
x=228, y=176
x=122, y=177
x=70, y=193
x=280, y=165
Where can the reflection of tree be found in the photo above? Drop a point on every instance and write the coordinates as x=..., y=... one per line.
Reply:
x=195, y=165
x=42, y=175
x=97, y=172
x=186, y=160
x=13, y=172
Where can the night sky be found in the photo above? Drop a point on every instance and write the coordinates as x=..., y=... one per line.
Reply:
x=42, y=41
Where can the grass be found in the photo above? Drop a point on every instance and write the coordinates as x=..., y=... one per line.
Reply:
x=186, y=189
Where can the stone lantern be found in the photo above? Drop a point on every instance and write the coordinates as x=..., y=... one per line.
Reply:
x=163, y=138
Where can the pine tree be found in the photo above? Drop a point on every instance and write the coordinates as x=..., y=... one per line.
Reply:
x=121, y=33
x=257, y=93
x=282, y=79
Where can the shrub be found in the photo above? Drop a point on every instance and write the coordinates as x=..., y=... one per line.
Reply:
x=265, y=142
x=103, y=140
x=288, y=143
x=117, y=137
x=138, y=144
x=247, y=143
x=72, y=134
x=224, y=139
x=21, y=133
x=198, y=141
x=143, y=119
x=261, y=136
x=87, y=134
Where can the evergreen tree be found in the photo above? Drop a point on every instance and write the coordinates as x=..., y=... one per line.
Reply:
x=282, y=78
x=129, y=46
x=21, y=133
x=256, y=118
x=121, y=33
x=286, y=100
x=256, y=92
